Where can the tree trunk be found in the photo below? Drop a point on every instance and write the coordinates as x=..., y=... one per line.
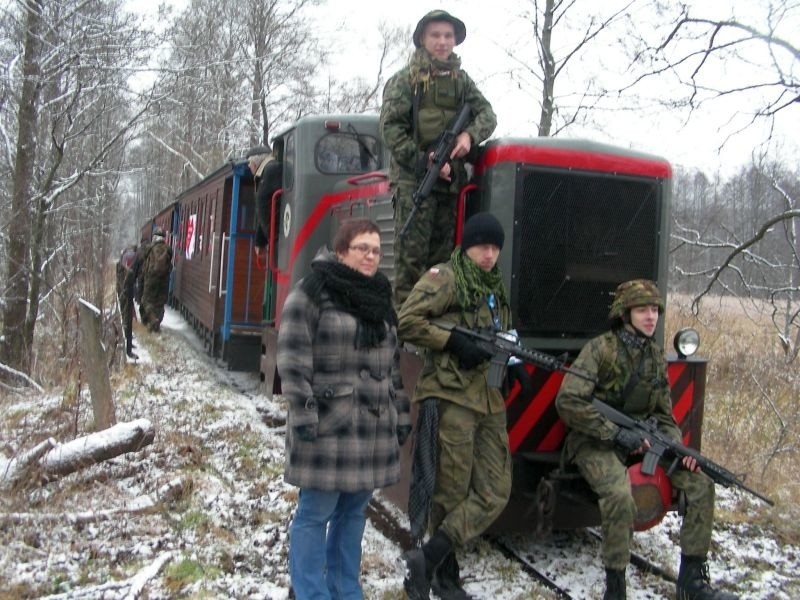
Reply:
x=93, y=358
x=96, y=447
x=13, y=349
x=50, y=460
x=548, y=72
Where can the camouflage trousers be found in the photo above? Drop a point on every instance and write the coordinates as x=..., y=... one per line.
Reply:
x=428, y=241
x=473, y=475
x=126, y=308
x=154, y=297
x=608, y=477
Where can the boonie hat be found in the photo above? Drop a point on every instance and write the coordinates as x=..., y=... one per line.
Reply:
x=439, y=15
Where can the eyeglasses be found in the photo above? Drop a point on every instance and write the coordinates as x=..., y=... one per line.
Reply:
x=363, y=249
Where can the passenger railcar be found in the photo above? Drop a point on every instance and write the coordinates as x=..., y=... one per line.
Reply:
x=579, y=217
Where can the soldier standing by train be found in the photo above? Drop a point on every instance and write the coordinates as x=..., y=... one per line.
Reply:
x=470, y=456
x=125, y=285
x=154, y=281
x=418, y=103
x=631, y=376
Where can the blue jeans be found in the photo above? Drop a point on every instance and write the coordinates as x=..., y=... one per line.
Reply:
x=325, y=544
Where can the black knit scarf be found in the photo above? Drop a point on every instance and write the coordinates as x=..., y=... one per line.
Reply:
x=368, y=299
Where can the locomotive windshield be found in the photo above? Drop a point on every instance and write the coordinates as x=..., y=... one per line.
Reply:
x=346, y=153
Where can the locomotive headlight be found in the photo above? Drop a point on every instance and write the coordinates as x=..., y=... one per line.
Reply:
x=686, y=342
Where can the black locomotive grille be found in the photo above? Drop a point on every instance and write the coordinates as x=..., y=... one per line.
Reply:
x=577, y=235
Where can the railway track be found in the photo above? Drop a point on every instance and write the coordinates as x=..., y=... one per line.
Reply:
x=568, y=566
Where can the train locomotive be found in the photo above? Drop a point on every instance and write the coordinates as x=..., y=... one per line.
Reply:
x=579, y=217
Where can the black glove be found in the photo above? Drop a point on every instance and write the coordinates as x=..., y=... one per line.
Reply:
x=403, y=431
x=519, y=373
x=307, y=433
x=468, y=353
x=627, y=439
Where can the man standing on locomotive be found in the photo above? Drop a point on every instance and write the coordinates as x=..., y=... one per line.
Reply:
x=418, y=103
x=631, y=376
x=471, y=458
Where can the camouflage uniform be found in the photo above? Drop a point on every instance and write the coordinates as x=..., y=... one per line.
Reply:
x=125, y=285
x=432, y=237
x=616, y=357
x=473, y=478
x=155, y=289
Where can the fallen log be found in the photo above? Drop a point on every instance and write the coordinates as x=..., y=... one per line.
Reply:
x=97, y=447
x=14, y=470
x=49, y=460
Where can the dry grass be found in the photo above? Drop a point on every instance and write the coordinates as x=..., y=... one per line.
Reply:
x=752, y=416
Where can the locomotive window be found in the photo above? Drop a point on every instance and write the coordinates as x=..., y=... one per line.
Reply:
x=342, y=153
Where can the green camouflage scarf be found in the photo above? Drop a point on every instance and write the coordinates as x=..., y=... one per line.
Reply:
x=422, y=65
x=474, y=285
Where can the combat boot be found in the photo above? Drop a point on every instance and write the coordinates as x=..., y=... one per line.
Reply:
x=615, y=585
x=446, y=582
x=694, y=582
x=421, y=563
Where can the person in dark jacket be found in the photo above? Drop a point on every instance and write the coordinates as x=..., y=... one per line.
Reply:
x=631, y=376
x=125, y=286
x=348, y=413
x=267, y=172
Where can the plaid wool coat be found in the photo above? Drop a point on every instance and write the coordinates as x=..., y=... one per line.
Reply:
x=354, y=398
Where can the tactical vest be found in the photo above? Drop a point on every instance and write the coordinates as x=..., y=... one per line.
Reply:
x=438, y=105
x=639, y=375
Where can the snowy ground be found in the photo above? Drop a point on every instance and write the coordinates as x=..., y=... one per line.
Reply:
x=224, y=536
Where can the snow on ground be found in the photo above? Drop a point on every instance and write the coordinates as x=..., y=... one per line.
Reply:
x=225, y=536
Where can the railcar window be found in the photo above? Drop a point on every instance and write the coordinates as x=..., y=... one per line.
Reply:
x=341, y=153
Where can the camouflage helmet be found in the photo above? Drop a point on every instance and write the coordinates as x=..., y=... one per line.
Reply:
x=637, y=292
x=439, y=15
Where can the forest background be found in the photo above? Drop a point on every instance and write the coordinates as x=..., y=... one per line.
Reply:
x=106, y=114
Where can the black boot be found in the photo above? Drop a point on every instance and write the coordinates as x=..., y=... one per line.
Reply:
x=446, y=582
x=694, y=582
x=615, y=585
x=421, y=562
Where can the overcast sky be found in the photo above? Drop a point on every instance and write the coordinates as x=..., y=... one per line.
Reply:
x=498, y=27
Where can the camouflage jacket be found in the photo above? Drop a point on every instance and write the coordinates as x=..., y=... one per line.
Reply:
x=614, y=364
x=398, y=128
x=434, y=297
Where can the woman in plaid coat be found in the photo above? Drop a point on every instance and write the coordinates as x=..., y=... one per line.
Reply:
x=348, y=414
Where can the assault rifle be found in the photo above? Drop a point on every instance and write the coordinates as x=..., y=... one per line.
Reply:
x=662, y=446
x=441, y=155
x=502, y=345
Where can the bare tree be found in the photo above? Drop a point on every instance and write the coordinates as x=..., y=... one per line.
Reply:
x=746, y=244
x=67, y=90
x=362, y=95
x=228, y=83
x=566, y=32
x=708, y=59
x=745, y=67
